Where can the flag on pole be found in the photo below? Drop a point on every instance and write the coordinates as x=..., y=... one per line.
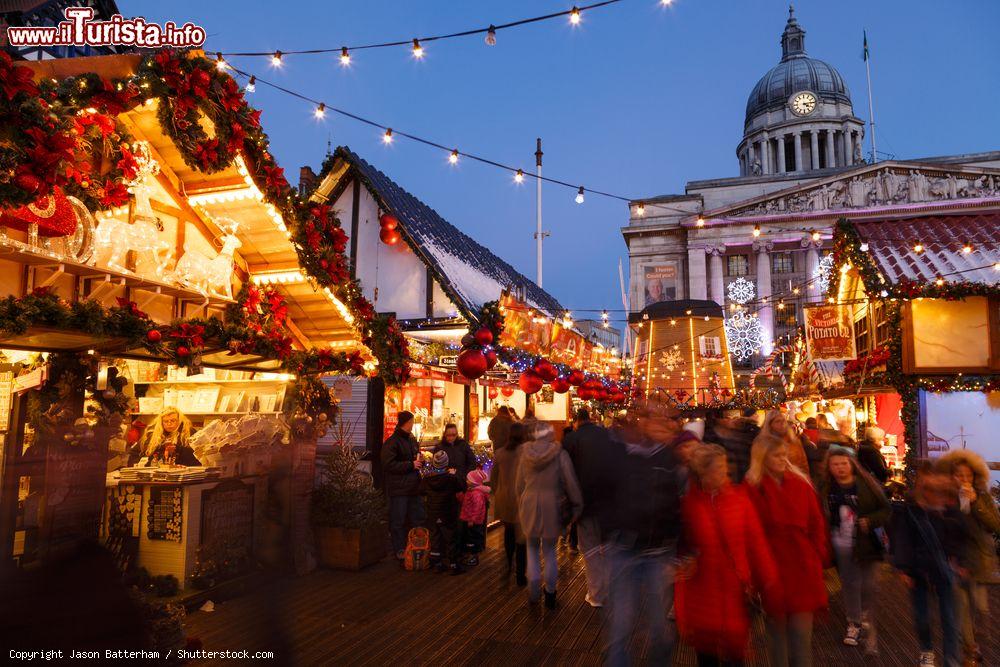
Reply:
x=864, y=54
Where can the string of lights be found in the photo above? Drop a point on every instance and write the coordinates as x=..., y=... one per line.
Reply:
x=574, y=15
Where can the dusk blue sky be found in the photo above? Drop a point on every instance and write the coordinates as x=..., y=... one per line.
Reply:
x=636, y=100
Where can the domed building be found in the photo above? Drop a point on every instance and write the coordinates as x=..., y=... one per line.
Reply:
x=799, y=115
x=801, y=169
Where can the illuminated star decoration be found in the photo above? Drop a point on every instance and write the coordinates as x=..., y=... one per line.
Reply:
x=822, y=273
x=744, y=335
x=741, y=291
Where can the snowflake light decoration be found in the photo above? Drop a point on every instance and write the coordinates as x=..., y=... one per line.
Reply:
x=822, y=273
x=741, y=291
x=671, y=359
x=744, y=335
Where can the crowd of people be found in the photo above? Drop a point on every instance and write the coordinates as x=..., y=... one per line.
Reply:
x=693, y=527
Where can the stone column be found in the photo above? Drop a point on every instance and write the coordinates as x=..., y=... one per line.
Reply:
x=781, y=154
x=814, y=148
x=812, y=263
x=715, y=274
x=797, y=138
x=765, y=313
x=847, y=145
x=697, y=274
x=765, y=154
x=831, y=161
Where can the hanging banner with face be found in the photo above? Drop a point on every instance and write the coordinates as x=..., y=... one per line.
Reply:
x=659, y=283
x=830, y=333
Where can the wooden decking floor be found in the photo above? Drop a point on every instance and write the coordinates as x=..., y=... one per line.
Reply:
x=384, y=616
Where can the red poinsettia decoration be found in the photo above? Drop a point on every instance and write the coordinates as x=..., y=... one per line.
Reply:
x=207, y=153
x=132, y=307
x=112, y=194
x=128, y=165
x=113, y=99
x=274, y=177
x=231, y=98
x=16, y=79
x=191, y=334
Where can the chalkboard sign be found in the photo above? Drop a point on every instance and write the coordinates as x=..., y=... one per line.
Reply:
x=227, y=518
x=165, y=513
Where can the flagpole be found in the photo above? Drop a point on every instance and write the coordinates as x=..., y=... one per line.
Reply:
x=871, y=108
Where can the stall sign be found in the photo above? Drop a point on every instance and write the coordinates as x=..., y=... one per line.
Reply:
x=30, y=380
x=473, y=417
x=343, y=389
x=830, y=333
x=6, y=385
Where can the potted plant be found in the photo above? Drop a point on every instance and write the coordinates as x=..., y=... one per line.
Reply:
x=348, y=514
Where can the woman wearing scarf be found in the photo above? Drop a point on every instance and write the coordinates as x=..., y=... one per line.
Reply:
x=789, y=512
x=855, y=507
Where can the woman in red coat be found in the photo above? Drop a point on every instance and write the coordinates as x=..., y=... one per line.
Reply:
x=796, y=531
x=730, y=558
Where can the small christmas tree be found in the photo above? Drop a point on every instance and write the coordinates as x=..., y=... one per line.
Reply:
x=345, y=498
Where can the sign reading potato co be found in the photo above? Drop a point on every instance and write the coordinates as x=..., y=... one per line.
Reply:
x=830, y=333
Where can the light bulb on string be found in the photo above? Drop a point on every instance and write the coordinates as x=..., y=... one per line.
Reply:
x=966, y=248
x=574, y=16
x=276, y=59
x=220, y=64
x=491, y=36
x=939, y=282
x=756, y=231
x=918, y=247
x=700, y=222
x=320, y=111
x=252, y=84
x=579, y=195
x=453, y=157
x=418, y=51
x=815, y=235
x=387, y=137
x=863, y=247
x=640, y=209
x=519, y=176
x=345, y=56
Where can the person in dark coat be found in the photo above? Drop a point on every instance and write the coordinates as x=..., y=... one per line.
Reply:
x=440, y=486
x=460, y=454
x=644, y=532
x=499, y=429
x=870, y=454
x=736, y=435
x=591, y=449
x=856, y=509
x=505, y=508
x=401, y=470
x=929, y=543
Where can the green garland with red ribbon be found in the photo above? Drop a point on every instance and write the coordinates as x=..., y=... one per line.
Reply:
x=63, y=134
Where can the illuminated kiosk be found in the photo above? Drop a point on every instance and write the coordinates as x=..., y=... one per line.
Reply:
x=680, y=353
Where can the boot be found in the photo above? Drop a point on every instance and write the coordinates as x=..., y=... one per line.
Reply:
x=521, y=564
x=550, y=599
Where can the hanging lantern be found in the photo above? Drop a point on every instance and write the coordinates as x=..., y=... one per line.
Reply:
x=388, y=221
x=576, y=378
x=530, y=382
x=491, y=358
x=507, y=391
x=483, y=336
x=471, y=364
x=492, y=392
x=389, y=236
x=560, y=385
x=545, y=370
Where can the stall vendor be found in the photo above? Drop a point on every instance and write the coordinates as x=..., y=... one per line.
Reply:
x=165, y=441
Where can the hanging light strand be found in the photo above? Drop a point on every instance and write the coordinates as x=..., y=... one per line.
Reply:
x=489, y=31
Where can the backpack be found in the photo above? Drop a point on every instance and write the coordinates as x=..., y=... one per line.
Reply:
x=418, y=549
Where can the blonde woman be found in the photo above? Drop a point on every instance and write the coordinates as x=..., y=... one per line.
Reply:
x=796, y=532
x=777, y=426
x=971, y=476
x=167, y=439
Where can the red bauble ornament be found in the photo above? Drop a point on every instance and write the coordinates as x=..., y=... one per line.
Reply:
x=593, y=385
x=491, y=359
x=133, y=436
x=576, y=378
x=154, y=336
x=584, y=394
x=492, y=392
x=545, y=370
x=530, y=382
x=389, y=236
x=560, y=385
x=182, y=351
x=483, y=336
x=388, y=221
x=507, y=391
x=471, y=364
x=617, y=397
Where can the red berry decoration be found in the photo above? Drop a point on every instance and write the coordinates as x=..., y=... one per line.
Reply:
x=483, y=336
x=576, y=378
x=545, y=370
x=560, y=385
x=154, y=336
x=389, y=236
x=507, y=391
x=471, y=364
x=491, y=359
x=388, y=221
x=530, y=382
x=183, y=351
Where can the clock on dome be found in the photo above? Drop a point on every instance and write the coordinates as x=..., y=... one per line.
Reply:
x=802, y=104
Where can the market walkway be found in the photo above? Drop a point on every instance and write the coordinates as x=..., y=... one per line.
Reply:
x=384, y=615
